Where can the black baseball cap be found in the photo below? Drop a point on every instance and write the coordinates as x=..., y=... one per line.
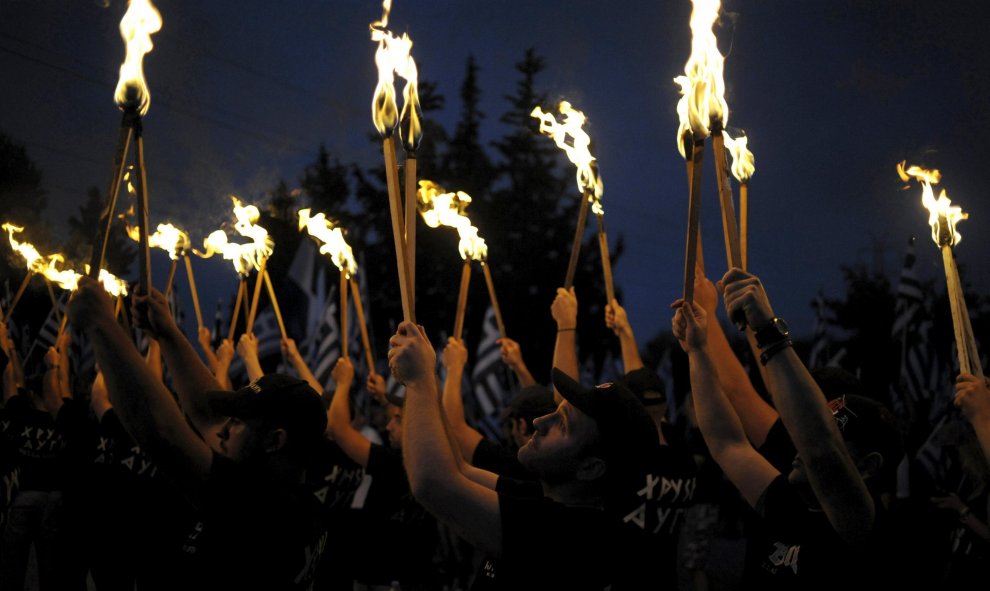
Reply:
x=628, y=436
x=869, y=426
x=281, y=401
x=646, y=385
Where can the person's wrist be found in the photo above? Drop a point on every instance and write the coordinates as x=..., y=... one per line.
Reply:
x=964, y=513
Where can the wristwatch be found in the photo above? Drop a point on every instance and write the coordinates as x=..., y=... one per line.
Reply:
x=774, y=332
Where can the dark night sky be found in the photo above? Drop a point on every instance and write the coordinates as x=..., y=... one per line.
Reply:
x=831, y=93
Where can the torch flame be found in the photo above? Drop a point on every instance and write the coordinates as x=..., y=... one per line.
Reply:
x=393, y=57
x=942, y=215
x=440, y=208
x=702, y=87
x=332, y=237
x=243, y=256
x=167, y=237
x=49, y=266
x=140, y=21
x=576, y=143
x=36, y=263
x=743, y=161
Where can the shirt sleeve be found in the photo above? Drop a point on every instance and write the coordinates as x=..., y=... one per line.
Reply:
x=780, y=505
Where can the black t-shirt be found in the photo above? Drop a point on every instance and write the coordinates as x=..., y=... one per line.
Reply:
x=403, y=535
x=501, y=460
x=652, y=510
x=129, y=515
x=803, y=551
x=9, y=469
x=547, y=545
x=40, y=442
x=250, y=533
x=340, y=486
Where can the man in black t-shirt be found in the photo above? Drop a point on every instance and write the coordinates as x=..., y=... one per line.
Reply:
x=402, y=534
x=823, y=520
x=590, y=446
x=255, y=525
x=526, y=405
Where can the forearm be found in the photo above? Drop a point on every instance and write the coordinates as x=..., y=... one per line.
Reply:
x=630, y=351
x=720, y=425
x=154, y=359
x=339, y=413
x=428, y=456
x=305, y=374
x=64, y=377
x=51, y=391
x=756, y=415
x=190, y=377
x=802, y=406
x=253, y=368
x=145, y=407
x=565, y=355
x=522, y=372
x=465, y=438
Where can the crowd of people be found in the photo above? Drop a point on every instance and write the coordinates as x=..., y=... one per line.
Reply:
x=162, y=474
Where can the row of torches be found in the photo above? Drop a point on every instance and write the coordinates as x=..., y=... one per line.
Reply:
x=702, y=110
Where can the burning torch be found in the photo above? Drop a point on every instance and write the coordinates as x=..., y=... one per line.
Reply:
x=133, y=98
x=943, y=217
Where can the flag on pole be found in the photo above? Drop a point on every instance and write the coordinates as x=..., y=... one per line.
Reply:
x=490, y=381
x=919, y=373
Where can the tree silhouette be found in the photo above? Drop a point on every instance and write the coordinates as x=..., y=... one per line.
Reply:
x=121, y=250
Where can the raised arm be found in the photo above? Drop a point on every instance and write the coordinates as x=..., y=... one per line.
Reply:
x=833, y=475
x=190, y=377
x=205, y=340
x=720, y=426
x=973, y=399
x=291, y=354
x=144, y=405
x=339, y=423
x=247, y=348
x=62, y=344
x=616, y=319
x=756, y=414
x=512, y=356
x=454, y=358
x=99, y=397
x=471, y=509
x=51, y=389
x=564, y=310
x=224, y=356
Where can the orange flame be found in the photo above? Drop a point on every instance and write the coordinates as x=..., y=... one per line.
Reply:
x=743, y=161
x=243, y=256
x=942, y=215
x=140, y=21
x=35, y=262
x=440, y=208
x=49, y=266
x=570, y=137
x=702, y=87
x=166, y=237
x=332, y=238
x=393, y=57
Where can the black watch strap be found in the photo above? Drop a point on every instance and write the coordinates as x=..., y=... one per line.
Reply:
x=773, y=349
x=773, y=332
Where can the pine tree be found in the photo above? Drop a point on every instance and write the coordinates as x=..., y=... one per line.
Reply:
x=121, y=250
x=466, y=166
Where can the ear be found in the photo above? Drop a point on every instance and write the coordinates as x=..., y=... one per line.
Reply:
x=590, y=468
x=870, y=464
x=275, y=440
